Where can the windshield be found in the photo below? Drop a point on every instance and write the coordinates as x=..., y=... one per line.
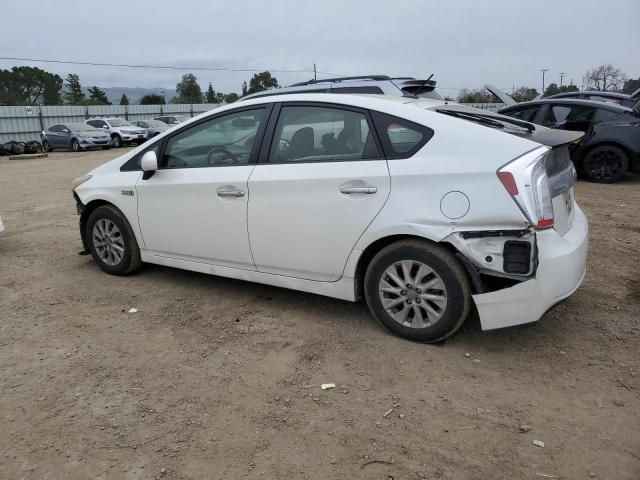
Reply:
x=156, y=123
x=118, y=122
x=80, y=127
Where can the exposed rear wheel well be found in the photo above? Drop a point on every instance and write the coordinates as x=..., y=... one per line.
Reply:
x=374, y=248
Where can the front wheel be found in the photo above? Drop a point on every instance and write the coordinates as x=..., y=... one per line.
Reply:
x=116, y=141
x=112, y=242
x=418, y=290
x=605, y=164
x=75, y=145
x=46, y=147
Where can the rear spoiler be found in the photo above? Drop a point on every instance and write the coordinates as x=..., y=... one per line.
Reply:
x=415, y=87
x=550, y=137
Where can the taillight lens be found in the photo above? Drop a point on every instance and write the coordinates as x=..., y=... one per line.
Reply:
x=527, y=182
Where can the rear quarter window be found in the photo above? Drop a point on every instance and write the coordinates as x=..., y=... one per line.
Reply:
x=400, y=138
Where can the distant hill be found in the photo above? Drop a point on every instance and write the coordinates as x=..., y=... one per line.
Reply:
x=136, y=93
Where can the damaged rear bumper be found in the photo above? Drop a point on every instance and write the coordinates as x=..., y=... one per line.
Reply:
x=561, y=269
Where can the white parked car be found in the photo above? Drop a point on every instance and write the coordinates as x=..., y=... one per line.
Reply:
x=1, y=226
x=121, y=131
x=422, y=208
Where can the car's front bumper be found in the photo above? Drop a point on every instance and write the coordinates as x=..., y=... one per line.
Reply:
x=134, y=138
x=561, y=269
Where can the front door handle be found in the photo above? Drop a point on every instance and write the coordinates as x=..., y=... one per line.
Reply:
x=231, y=193
x=349, y=190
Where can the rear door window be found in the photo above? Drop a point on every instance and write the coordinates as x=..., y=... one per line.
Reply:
x=570, y=117
x=322, y=134
x=400, y=138
x=526, y=114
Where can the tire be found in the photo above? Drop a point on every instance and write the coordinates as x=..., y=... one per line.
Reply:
x=75, y=145
x=116, y=140
x=605, y=164
x=46, y=147
x=442, y=279
x=115, y=261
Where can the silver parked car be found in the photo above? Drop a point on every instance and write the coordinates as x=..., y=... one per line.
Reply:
x=172, y=120
x=76, y=136
x=153, y=127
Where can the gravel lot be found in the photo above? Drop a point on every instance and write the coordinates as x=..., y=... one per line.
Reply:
x=215, y=378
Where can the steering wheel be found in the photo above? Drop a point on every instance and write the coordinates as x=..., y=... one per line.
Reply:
x=227, y=155
x=284, y=144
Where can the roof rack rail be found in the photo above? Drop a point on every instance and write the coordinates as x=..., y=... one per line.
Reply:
x=341, y=79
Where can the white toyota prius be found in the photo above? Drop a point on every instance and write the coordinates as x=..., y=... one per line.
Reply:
x=424, y=209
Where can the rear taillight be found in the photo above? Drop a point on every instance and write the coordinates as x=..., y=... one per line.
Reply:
x=527, y=182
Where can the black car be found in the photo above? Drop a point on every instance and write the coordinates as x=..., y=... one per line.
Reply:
x=610, y=97
x=611, y=144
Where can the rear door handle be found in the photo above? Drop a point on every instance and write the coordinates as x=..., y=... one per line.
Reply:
x=350, y=190
x=231, y=193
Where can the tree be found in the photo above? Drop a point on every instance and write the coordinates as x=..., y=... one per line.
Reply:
x=524, y=94
x=188, y=90
x=152, y=99
x=124, y=100
x=244, y=89
x=73, y=94
x=604, y=78
x=552, y=89
x=231, y=97
x=567, y=88
x=211, y=96
x=475, y=96
x=29, y=86
x=98, y=96
x=260, y=82
x=631, y=86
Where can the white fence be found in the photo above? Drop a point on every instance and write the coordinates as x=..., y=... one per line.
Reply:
x=24, y=123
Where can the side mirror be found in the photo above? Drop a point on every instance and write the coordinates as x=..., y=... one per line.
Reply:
x=65, y=131
x=149, y=162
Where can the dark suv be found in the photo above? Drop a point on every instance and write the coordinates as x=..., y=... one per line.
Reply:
x=611, y=144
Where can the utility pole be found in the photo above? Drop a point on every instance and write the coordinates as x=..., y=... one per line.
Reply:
x=544, y=70
x=315, y=73
x=562, y=74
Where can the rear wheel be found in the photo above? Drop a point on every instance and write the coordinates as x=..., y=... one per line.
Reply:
x=605, y=164
x=112, y=242
x=418, y=290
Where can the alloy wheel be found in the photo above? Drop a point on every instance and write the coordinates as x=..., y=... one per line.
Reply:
x=413, y=294
x=604, y=165
x=108, y=241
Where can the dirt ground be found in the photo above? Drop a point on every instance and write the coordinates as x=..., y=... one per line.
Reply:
x=219, y=379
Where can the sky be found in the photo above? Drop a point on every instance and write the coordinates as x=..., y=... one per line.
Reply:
x=464, y=43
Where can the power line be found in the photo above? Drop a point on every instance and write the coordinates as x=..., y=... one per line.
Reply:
x=162, y=67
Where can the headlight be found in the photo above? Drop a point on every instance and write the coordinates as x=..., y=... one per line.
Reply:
x=79, y=181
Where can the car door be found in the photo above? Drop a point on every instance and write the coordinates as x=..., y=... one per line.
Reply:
x=54, y=136
x=319, y=183
x=195, y=205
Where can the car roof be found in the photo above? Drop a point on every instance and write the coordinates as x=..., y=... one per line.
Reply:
x=594, y=93
x=571, y=101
